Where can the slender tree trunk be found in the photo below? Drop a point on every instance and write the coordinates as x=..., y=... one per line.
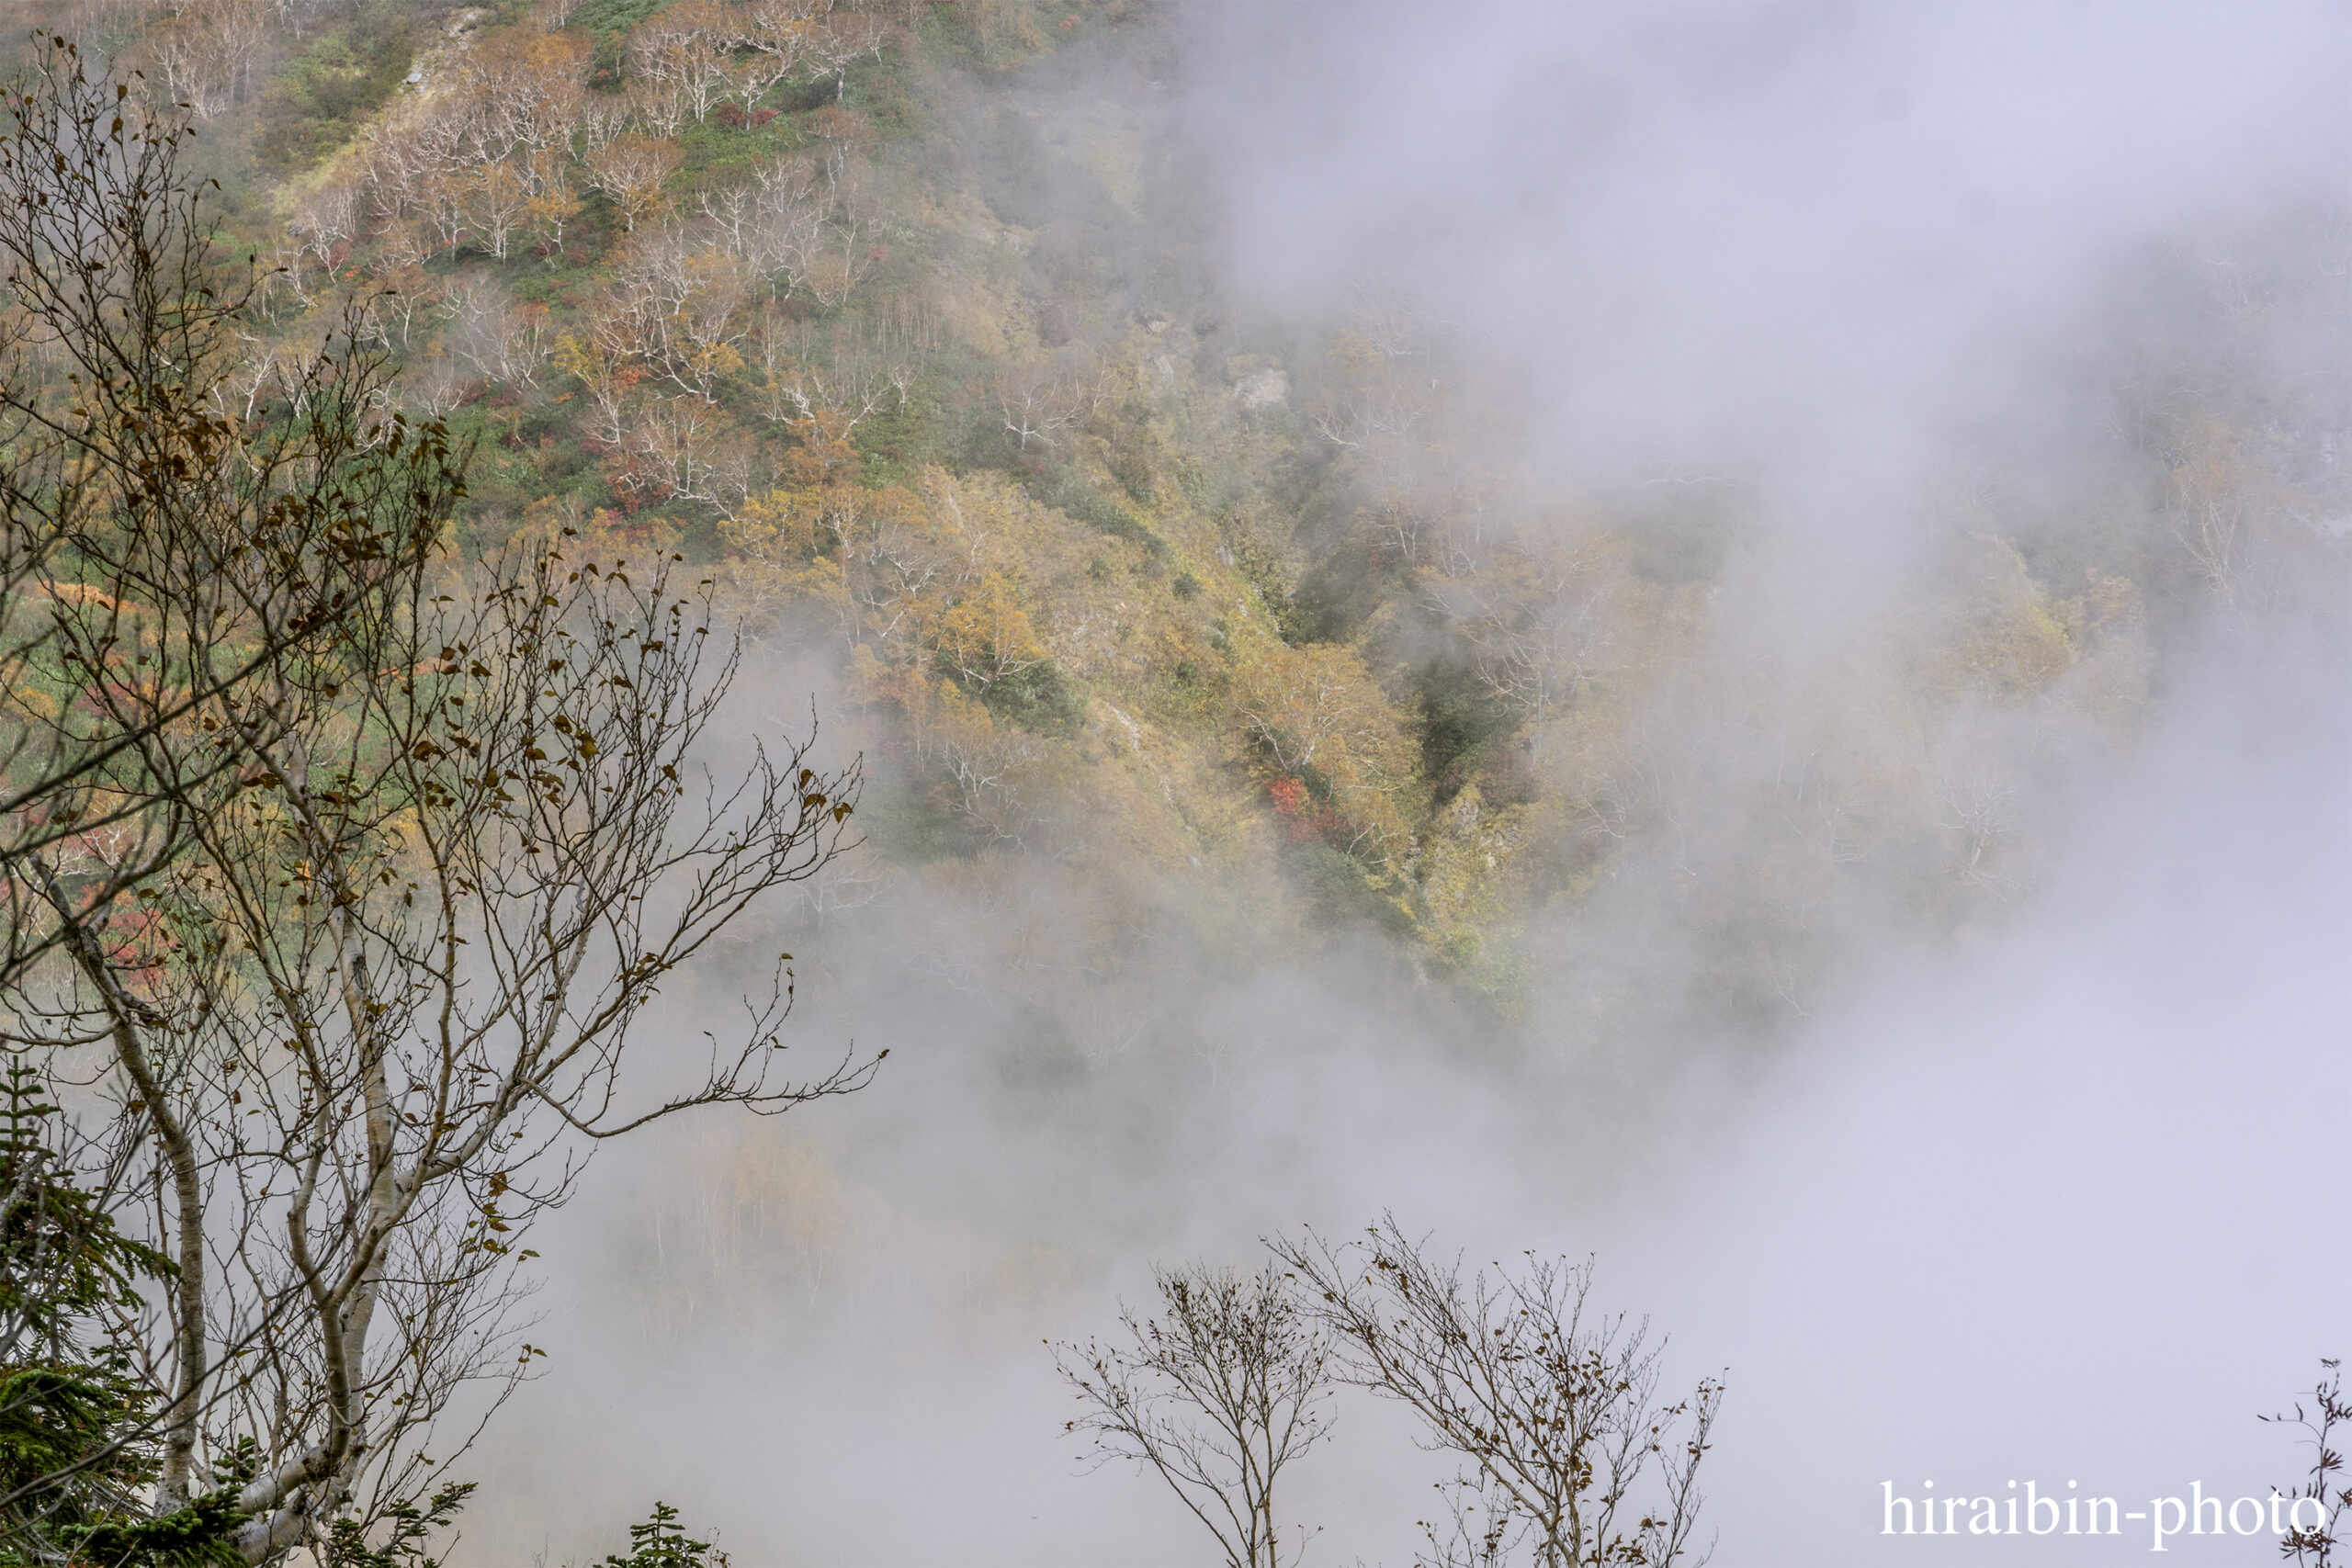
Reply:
x=179, y=1153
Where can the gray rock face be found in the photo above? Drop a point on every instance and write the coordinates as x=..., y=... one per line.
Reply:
x=1259, y=389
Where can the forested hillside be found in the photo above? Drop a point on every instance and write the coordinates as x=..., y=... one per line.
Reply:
x=902, y=322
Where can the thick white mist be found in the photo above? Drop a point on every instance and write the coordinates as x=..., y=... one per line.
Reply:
x=2065, y=1205
x=2060, y=1206
x=2061, y=1202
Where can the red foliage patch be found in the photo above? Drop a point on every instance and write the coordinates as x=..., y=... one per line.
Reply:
x=1303, y=818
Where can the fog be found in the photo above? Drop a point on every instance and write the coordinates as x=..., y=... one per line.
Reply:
x=2058, y=1197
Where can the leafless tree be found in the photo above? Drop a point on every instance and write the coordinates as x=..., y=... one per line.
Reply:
x=837, y=254
x=2314, y=1545
x=846, y=37
x=504, y=343
x=1537, y=623
x=364, y=1030
x=1217, y=1395
x=686, y=49
x=1572, y=1460
x=985, y=779
x=204, y=52
x=432, y=384
x=500, y=199
x=683, y=450
x=1978, y=802
x=631, y=170
x=777, y=35
x=675, y=304
x=602, y=117
x=799, y=379
x=1041, y=397
x=158, y=553
x=339, y=874
x=326, y=219
x=780, y=223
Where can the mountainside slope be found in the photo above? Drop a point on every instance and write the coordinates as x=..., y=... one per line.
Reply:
x=908, y=320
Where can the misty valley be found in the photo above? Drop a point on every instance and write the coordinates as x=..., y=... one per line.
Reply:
x=981, y=782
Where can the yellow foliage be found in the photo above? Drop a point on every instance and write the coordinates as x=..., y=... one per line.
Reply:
x=780, y=554
x=2013, y=645
x=979, y=629
x=1315, y=711
x=1350, y=351
x=576, y=359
